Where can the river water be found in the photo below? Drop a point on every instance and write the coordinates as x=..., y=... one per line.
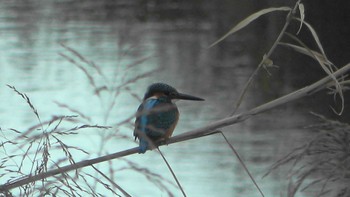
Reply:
x=169, y=41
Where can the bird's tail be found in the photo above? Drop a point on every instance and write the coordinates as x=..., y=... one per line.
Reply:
x=143, y=145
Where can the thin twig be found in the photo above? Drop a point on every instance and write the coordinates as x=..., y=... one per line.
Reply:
x=112, y=182
x=242, y=162
x=172, y=172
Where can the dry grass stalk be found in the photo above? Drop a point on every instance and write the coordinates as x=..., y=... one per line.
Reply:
x=36, y=145
x=322, y=163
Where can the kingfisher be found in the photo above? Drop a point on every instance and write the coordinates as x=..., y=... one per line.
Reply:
x=157, y=116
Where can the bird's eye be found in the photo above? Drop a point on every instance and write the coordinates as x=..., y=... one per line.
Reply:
x=172, y=93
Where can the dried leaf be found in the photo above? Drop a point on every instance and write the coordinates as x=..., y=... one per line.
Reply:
x=327, y=69
x=267, y=61
x=302, y=15
x=248, y=20
x=314, y=35
x=307, y=52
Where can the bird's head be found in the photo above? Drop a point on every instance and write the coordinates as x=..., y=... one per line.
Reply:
x=162, y=89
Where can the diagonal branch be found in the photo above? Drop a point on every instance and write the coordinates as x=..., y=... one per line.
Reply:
x=196, y=133
x=300, y=93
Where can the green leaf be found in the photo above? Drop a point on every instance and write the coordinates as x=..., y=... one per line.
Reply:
x=248, y=20
x=302, y=15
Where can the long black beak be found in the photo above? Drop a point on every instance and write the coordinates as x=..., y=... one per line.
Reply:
x=187, y=97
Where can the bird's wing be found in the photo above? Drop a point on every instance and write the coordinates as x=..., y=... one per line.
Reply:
x=143, y=116
x=137, y=121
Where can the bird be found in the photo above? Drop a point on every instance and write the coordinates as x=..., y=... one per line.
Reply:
x=157, y=115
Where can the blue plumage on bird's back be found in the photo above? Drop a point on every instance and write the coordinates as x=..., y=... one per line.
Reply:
x=157, y=118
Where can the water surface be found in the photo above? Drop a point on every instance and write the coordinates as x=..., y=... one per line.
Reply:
x=173, y=41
